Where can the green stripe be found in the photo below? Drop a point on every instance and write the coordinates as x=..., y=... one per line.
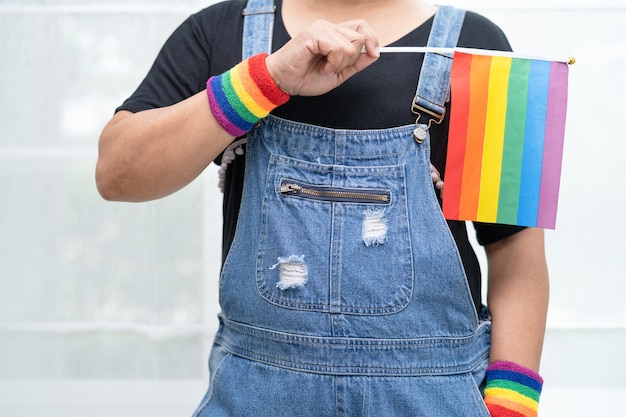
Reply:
x=235, y=101
x=515, y=386
x=513, y=141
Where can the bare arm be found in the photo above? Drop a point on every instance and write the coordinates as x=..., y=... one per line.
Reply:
x=153, y=153
x=150, y=154
x=518, y=292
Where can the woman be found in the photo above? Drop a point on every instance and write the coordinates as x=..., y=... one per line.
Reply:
x=343, y=290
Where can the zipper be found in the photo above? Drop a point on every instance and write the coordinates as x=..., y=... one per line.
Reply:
x=347, y=195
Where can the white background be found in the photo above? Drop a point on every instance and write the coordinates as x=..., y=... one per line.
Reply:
x=109, y=308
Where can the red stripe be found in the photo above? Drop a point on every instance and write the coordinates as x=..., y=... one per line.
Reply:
x=459, y=114
x=499, y=411
x=261, y=76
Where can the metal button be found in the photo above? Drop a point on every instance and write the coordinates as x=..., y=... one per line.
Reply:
x=419, y=134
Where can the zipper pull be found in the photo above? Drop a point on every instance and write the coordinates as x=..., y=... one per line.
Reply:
x=290, y=188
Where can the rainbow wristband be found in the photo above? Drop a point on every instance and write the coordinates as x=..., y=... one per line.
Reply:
x=512, y=390
x=243, y=95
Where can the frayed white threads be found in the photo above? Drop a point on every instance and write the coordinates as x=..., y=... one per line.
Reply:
x=374, y=227
x=230, y=153
x=293, y=272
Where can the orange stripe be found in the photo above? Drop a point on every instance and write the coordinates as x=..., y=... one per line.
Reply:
x=511, y=405
x=512, y=395
x=479, y=90
x=241, y=91
x=458, y=134
x=252, y=89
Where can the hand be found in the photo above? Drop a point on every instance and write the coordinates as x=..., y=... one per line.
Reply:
x=436, y=177
x=323, y=56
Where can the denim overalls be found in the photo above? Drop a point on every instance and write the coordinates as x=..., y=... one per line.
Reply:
x=343, y=293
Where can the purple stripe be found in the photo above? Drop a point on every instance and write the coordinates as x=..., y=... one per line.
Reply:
x=219, y=114
x=514, y=367
x=553, y=146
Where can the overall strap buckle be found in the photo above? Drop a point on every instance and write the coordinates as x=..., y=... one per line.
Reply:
x=433, y=88
x=419, y=134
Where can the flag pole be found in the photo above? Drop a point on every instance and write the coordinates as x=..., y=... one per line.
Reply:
x=449, y=51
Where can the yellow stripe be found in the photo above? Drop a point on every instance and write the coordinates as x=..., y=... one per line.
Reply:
x=494, y=139
x=251, y=104
x=513, y=396
x=253, y=89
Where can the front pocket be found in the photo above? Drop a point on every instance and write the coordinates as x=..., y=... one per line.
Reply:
x=335, y=238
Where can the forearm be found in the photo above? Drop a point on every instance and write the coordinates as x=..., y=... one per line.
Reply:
x=153, y=153
x=517, y=296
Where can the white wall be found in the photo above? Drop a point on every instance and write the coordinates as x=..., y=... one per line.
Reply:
x=109, y=308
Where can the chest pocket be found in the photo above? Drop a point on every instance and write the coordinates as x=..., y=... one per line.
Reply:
x=335, y=238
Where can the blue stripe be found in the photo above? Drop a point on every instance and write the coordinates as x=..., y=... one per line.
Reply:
x=515, y=377
x=532, y=162
x=229, y=111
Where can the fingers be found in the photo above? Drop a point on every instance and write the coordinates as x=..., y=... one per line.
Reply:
x=323, y=56
x=436, y=177
x=342, y=45
x=370, y=43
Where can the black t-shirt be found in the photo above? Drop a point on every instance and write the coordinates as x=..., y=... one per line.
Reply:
x=209, y=43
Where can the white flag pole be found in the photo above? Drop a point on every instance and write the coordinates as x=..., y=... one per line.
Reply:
x=450, y=51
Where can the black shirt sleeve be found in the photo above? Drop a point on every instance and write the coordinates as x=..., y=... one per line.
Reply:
x=186, y=60
x=487, y=233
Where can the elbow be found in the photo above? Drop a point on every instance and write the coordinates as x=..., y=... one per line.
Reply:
x=107, y=166
x=112, y=172
x=107, y=185
x=117, y=180
x=112, y=176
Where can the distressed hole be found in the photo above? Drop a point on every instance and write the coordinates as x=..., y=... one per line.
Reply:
x=293, y=272
x=374, y=227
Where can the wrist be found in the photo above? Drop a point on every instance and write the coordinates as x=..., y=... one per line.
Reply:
x=275, y=73
x=512, y=390
x=243, y=95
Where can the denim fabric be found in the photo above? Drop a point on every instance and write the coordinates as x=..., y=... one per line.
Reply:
x=409, y=291
x=271, y=391
x=384, y=329
x=257, y=27
x=433, y=88
x=349, y=299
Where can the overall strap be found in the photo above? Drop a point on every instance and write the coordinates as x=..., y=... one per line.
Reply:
x=258, y=25
x=433, y=88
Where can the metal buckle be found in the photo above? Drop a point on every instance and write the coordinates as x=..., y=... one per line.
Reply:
x=419, y=134
x=265, y=11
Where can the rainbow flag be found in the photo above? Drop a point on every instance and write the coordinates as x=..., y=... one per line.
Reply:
x=505, y=147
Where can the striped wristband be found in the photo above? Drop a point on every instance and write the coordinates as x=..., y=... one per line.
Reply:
x=512, y=390
x=243, y=95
